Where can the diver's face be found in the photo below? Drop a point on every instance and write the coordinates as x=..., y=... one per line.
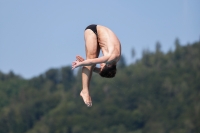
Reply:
x=102, y=66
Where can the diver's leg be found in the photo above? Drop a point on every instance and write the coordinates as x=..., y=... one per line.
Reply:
x=92, y=51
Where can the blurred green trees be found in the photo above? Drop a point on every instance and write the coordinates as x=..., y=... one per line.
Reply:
x=160, y=93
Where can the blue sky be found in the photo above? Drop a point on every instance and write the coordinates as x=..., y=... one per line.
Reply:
x=36, y=35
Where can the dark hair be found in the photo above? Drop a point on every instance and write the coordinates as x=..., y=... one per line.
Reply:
x=108, y=71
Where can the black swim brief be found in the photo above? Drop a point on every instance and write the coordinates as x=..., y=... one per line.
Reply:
x=92, y=27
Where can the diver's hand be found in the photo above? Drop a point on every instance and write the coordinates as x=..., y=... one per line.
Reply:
x=79, y=58
x=75, y=64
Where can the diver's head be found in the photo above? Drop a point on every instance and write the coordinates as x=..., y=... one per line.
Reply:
x=108, y=70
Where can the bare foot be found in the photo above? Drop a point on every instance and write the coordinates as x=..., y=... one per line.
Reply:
x=86, y=98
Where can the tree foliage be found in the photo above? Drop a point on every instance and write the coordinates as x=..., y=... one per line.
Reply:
x=160, y=93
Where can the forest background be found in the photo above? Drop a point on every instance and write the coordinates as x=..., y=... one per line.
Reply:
x=159, y=93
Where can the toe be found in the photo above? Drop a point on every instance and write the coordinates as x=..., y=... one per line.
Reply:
x=89, y=104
